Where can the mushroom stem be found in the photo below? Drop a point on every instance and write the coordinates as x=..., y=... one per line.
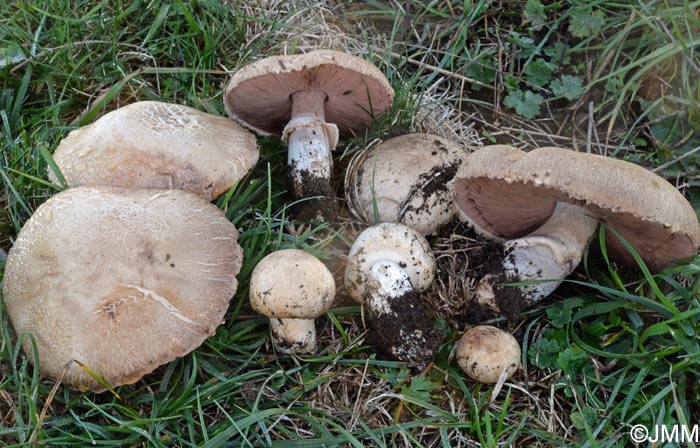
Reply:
x=390, y=282
x=310, y=141
x=396, y=313
x=293, y=336
x=551, y=252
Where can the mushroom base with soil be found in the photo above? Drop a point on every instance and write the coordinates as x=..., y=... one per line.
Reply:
x=310, y=142
x=544, y=258
x=399, y=326
x=293, y=336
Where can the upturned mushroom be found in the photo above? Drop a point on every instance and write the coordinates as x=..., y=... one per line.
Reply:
x=388, y=266
x=292, y=288
x=119, y=281
x=545, y=205
x=485, y=353
x=151, y=144
x=308, y=99
x=406, y=179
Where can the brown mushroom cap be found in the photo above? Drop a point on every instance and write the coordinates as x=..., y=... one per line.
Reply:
x=291, y=284
x=120, y=280
x=410, y=179
x=259, y=94
x=483, y=352
x=507, y=193
x=152, y=144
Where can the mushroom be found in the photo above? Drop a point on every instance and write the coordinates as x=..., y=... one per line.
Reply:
x=308, y=99
x=406, y=179
x=292, y=288
x=389, y=264
x=545, y=206
x=151, y=144
x=485, y=353
x=119, y=280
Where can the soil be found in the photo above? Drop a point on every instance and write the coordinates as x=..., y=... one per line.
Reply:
x=411, y=338
x=323, y=208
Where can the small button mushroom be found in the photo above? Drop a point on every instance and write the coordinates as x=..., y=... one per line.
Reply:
x=406, y=179
x=151, y=144
x=119, y=280
x=545, y=206
x=388, y=266
x=292, y=288
x=308, y=99
x=485, y=352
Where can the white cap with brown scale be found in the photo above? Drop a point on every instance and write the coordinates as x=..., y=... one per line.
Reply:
x=292, y=288
x=119, y=280
x=546, y=205
x=152, y=144
x=486, y=353
x=408, y=178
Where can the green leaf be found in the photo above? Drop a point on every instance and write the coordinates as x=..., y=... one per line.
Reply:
x=560, y=314
x=571, y=361
x=539, y=72
x=420, y=388
x=586, y=22
x=570, y=87
x=535, y=15
x=544, y=354
x=526, y=103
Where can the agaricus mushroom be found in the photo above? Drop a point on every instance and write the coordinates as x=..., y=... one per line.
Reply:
x=119, y=280
x=308, y=99
x=406, y=179
x=292, y=288
x=485, y=353
x=389, y=264
x=151, y=144
x=546, y=205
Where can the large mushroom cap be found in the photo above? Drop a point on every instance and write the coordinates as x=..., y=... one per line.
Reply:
x=151, y=144
x=391, y=242
x=120, y=280
x=259, y=94
x=409, y=178
x=507, y=193
x=291, y=284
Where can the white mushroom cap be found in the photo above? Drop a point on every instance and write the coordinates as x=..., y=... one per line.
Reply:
x=389, y=242
x=291, y=283
x=409, y=178
x=292, y=287
x=152, y=144
x=484, y=352
x=120, y=280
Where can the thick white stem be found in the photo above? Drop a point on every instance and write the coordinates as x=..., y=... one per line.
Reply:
x=293, y=336
x=310, y=140
x=388, y=280
x=551, y=252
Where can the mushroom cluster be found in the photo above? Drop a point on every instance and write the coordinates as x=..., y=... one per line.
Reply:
x=132, y=266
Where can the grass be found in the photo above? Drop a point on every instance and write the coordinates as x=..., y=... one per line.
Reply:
x=616, y=346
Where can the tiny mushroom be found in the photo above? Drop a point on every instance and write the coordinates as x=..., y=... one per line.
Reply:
x=389, y=264
x=406, y=179
x=545, y=206
x=292, y=288
x=308, y=99
x=152, y=144
x=485, y=353
x=119, y=281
